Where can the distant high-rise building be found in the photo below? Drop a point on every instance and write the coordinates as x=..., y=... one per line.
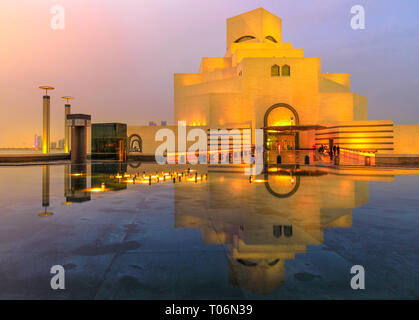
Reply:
x=53, y=145
x=61, y=143
x=38, y=142
x=152, y=123
x=164, y=123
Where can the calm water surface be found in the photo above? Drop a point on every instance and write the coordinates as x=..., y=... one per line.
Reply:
x=294, y=233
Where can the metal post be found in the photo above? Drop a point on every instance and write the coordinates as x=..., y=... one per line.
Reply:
x=46, y=119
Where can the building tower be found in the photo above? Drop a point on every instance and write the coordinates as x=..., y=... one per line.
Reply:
x=46, y=119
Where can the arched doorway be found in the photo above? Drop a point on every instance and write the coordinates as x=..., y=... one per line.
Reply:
x=278, y=123
x=135, y=143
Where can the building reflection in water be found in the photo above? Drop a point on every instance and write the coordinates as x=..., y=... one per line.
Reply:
x=76, y=183
x=45, y=191
x=267, y=220
x=263, y=221
x=103, y=175
x=79, y=183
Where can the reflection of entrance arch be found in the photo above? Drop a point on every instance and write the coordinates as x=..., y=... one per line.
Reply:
x=135, y=143
x=134, y=164
x=281, y=115
x=283, y=195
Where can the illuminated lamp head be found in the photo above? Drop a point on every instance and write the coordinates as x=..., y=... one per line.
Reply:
x=46, y=88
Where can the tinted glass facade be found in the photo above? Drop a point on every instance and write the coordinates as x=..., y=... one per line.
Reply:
x=109, y=141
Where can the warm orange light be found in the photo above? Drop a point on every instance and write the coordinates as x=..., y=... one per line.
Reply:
x=101, y=189
x=45, y=214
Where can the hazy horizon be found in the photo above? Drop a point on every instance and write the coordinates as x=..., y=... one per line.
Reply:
x=118, y=59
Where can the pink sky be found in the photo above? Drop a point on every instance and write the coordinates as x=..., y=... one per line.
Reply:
x=118, y=57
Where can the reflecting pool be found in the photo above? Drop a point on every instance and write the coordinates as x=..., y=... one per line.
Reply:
x=144, y=231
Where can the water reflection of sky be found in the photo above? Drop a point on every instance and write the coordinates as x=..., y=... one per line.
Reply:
x=293, y=233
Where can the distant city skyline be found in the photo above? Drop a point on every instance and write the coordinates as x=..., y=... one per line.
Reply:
x=118, y=60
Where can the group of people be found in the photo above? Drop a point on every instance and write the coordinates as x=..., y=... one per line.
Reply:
x=335, y=151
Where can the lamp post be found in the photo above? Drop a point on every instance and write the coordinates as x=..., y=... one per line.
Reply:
x=46, y=119
x=67, y=133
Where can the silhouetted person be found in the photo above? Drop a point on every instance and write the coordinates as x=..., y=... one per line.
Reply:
x=338, y=150
x=334, y=149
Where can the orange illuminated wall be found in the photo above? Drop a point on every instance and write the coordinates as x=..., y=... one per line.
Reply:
x=377, y=136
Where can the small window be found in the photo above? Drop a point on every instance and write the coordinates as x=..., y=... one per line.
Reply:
x=286, y=71
x=271, y=39
x=288, y=231
x=275, y=71
x=245, y=38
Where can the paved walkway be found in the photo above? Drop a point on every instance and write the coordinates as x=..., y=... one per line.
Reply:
x=297, y=157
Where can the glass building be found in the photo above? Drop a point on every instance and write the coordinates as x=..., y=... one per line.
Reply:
x=109, y=141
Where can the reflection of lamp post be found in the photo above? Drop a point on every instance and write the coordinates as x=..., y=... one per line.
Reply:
x=46, y=119
x=67, y=111
x=45, y=191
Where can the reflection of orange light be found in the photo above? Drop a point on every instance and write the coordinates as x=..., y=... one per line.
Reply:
x=101, y=189
x=283, y=178
x=282, y=123
x=45, y=214
x=259, y=180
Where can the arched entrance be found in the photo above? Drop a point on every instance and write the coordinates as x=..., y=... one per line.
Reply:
x=283, y=117
x=135, y=143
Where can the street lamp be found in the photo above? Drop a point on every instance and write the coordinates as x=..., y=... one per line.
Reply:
x=67, y=111
x=46, y=119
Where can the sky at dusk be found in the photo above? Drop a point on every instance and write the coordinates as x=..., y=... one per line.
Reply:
x=118, y=57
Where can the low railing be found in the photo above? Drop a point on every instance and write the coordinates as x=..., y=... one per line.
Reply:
x=367, y=157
